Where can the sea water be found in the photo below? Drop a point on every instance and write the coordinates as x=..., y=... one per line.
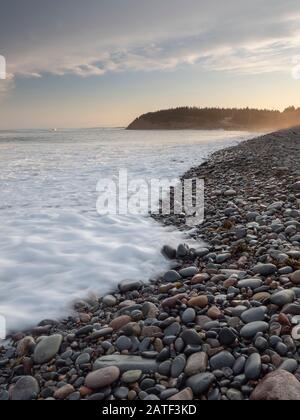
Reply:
x=54, y=246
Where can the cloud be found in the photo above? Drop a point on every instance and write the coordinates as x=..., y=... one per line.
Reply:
x=148, y=36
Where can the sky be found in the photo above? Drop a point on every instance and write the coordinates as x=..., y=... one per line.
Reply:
x=75, y=63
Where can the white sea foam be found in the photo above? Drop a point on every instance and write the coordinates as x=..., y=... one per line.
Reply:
x=54, y=247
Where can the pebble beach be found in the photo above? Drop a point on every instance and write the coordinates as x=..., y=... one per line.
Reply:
x=223, y=323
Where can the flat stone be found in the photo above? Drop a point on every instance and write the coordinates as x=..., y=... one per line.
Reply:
x=283, y=298
x=250, y=330
x=253, y=367
x=129, y=285
x=47, y=348
x=222, y=360
x=102, y=378
x=26, y=388
x=196, y=363
x=188, y=272
x=125, y=363
x=265, y=269
x=172, y=276
x=254, y=314
x=277, y=386
x=200, y=383
x=252, y=283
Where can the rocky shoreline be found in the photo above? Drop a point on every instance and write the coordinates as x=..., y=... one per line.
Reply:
x=222, y=324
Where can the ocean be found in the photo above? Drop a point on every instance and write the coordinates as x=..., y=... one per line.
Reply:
x=54, y=246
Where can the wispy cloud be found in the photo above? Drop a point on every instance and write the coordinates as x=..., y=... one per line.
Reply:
x=217, y=36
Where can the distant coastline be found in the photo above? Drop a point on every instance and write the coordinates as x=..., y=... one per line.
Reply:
x=246, y=119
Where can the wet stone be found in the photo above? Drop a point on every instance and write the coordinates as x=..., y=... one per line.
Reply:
x=254, y=314
x=191, y=337
x=227, y=337
x=26, y=388
x=171, y=276
x=283, y=298
x=200, y=383
x=124, y=343
x=188, y=316
x=250, y=330
x=222, y=360
x=253, y=367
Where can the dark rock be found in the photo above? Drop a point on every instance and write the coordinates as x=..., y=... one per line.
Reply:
x=265, y=269
x=169, y=252
x=172, y=276
x=253, y=367
x=250, y=330
x=227, y=337
x=222, y=360
x=191, y=337
x=254, y=315
x=200, y=383
x=129, y=285
x=26, y=388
